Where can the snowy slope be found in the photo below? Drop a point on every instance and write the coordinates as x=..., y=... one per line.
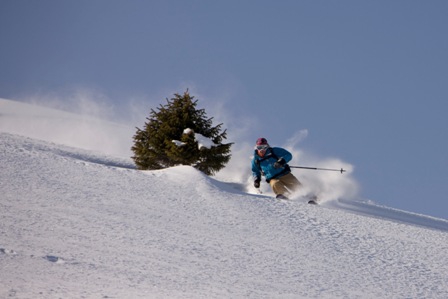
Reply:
x=79, y=224
x=81, y=131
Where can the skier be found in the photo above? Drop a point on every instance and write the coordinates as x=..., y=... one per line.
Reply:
x=272, y=163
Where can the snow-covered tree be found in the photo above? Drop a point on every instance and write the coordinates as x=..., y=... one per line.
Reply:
x=180, y=134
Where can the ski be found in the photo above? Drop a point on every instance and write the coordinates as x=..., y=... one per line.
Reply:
x=312, y=199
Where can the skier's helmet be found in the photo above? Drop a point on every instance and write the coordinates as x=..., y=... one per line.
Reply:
x=261, y=146
x=261, y=141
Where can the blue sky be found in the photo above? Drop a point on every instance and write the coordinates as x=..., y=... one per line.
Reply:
x=368, y=80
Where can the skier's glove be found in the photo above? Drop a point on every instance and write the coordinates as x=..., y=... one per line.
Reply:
x=257, y=182
x=280, y=163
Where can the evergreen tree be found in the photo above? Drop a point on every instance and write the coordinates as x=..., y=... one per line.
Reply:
x=170, y=137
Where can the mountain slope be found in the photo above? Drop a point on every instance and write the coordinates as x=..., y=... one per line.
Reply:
x=81, y=225
x=81, y=131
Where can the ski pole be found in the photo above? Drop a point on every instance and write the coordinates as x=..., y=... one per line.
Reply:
x=317, y=168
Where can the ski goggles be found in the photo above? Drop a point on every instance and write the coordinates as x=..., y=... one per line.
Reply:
x=262, y=147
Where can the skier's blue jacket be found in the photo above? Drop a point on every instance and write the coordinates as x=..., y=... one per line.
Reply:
x=265, y=165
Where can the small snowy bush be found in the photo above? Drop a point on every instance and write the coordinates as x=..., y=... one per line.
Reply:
x=180, y=134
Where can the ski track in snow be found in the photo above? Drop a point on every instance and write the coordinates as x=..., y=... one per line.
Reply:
x=76, y=224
